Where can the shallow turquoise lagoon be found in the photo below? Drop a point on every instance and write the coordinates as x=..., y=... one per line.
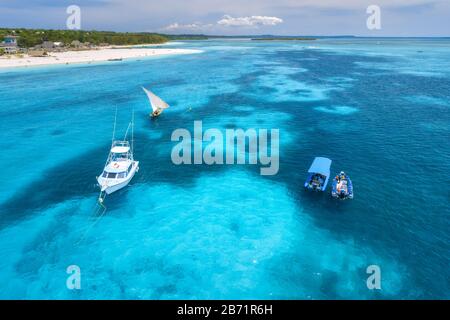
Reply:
x=379, y=108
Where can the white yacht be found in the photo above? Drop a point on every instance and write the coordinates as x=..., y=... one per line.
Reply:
x=120, y=166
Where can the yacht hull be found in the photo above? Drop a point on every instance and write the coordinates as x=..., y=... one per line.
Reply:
x=108, y=187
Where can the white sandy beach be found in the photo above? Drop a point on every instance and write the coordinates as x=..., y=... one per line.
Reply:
x=86, y=56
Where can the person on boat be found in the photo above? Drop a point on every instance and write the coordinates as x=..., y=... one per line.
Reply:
x=311, y=182
x=339, y=186
x=156, y=113
x=314, y=181
x=342, y=188
x=321, y=180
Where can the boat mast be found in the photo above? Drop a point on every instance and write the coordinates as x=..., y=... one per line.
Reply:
x=114, y=129
x=132, y=135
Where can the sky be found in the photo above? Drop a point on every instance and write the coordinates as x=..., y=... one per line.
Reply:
x=236, y=17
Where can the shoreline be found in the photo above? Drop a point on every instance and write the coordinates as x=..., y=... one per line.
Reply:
x=89, y=56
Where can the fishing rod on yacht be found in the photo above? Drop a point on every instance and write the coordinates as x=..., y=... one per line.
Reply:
x=126, y=132
x=102, y=195
x=114, y=128
x=132, y=132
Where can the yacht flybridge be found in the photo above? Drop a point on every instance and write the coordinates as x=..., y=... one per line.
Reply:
x=120, y=166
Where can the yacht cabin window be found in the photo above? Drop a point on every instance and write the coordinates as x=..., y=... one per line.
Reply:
x=111, y=175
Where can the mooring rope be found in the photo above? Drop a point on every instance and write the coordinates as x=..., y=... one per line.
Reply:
x=99, y=207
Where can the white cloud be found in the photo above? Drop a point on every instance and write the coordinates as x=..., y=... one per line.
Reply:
x=226, y=21
x=252, y=21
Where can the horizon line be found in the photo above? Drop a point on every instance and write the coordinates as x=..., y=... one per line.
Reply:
x=231, y=36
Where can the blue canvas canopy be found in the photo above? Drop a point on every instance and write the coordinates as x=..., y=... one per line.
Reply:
x=321, y=165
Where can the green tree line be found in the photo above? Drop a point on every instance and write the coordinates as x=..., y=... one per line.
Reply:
x=31, y=37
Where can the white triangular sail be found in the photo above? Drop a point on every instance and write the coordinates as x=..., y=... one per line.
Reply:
x=156, y=102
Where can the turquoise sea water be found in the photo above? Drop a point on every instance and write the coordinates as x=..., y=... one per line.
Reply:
x=380, y=109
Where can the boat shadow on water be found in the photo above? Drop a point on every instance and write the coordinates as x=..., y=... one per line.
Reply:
x=323, y=200
x=58, y=184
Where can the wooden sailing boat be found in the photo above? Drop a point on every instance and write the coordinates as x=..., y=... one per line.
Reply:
x=157, y=104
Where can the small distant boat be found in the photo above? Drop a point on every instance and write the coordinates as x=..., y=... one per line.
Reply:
x=157, y=104
x=115, y=59
x=342, y=187
x=120, y=166
x=318, y=174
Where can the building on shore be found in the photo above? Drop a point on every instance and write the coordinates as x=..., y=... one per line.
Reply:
x=37, y=53
x=50, y=46
x=9, y=44
x=75, y=44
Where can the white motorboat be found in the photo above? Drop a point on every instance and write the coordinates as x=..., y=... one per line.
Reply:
x=120, y=166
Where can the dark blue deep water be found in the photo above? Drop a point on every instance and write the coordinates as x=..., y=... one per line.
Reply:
x=380, y=109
